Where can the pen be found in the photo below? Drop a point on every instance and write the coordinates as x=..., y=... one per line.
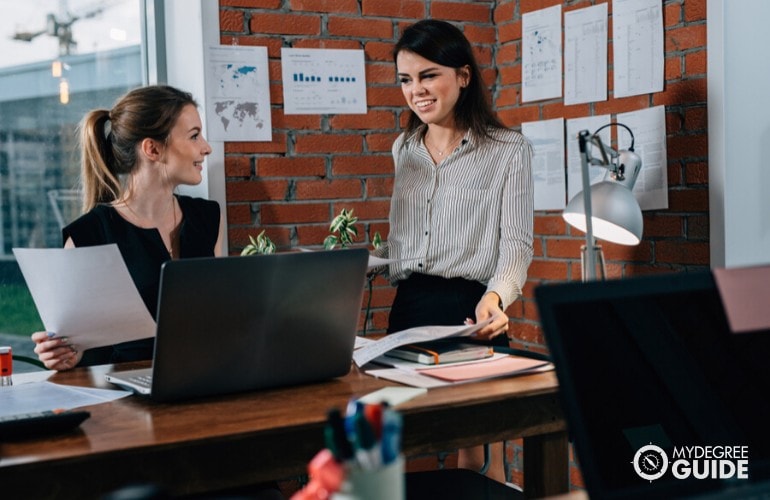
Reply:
x=392, y=423
x=368, y=451
x=373, y=413
x=336, y=438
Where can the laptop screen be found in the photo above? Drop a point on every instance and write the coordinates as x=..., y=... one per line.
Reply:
x=656, y=389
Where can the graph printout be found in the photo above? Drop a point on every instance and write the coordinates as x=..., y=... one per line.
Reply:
x=238, y=96
x=323, y=81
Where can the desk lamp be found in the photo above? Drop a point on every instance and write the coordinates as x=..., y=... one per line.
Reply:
x=607, y=210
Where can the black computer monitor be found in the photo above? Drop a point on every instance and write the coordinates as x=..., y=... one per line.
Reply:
x=650, y=362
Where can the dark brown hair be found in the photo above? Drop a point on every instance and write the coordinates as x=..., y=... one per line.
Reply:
x=444, y=44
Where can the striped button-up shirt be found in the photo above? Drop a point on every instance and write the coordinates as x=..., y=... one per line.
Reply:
x=469, y=216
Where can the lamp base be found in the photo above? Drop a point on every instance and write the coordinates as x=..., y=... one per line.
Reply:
x=599, y=272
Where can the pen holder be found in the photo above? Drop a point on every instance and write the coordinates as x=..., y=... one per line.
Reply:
x=382, y=483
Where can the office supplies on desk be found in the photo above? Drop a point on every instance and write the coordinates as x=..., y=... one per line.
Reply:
x=649, y=368
x=42, y=423
x=6, y=365
x=413, y=335
x=441, y=352
x=235, y=324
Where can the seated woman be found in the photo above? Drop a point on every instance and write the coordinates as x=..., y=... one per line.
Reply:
x=133, y=158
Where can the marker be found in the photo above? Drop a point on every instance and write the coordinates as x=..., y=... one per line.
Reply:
x=373, y=413
x=336, y=438
x=392, y=423
x=368, y=450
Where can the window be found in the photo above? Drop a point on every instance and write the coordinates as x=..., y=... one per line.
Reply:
x=61, y=58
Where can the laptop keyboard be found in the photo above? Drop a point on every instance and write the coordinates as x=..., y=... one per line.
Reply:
x=142, y=380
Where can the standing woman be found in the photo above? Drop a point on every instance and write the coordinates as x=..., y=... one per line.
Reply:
x=133, y=158
x=462, y=208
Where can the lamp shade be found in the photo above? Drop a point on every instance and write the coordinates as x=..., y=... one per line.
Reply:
x=615, y=213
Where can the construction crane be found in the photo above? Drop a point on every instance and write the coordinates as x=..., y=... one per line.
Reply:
x=61, y=26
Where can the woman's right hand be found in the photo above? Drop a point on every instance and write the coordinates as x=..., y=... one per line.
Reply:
x=56, y=353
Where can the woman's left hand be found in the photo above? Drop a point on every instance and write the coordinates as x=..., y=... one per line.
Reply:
x=489, y=307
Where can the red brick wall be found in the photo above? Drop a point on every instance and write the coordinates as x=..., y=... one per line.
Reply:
x=317, y=165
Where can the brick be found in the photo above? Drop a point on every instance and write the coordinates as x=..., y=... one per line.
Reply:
x=697, y=173
x=295, y=122
x=631, y=253
x=507, y=54
x=503, y=12
x=313, y=234
x=688, y=37
x=526, y=6
x=687, y=91
x=507, y=97
x=663, y=226
x=314, y=43
x=378, y=187
x=303, y=166
x=238, y=213
x=673, y=68
x=695, y=63
x=336, y=6
x=238, y=166
x=696, y=119
x=379, y=51
x=481, y=34
x=549, y=224
x=695, y=10
x=404, y=8
x=362, y=165
x=277, y=145
x=385, y=96
x=365, y=210
x=672, y=15
x=682, y=252
x=358, y=27
x=687, y=146
x=380, y=143
x=231, y=21
x=253, y=4
x=257, y=190
x=697, y=228
x=328, y=189
x=328, y=143
x=547, y=269
x=455, y=11
x=688, y=200
x=372, y=120
x=564, y=248
x=273, y=44
x=380, y=73
x=294, y=213
x=285, y=24
x=514, y=117
x=622, y=105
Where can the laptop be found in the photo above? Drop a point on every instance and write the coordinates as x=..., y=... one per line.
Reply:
x=234, y=324
x=647, y=367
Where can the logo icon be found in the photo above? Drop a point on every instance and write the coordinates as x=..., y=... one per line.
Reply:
x=650, y=462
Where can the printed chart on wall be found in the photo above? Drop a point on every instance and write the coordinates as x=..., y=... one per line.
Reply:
x=238, y=94
x=321, y=81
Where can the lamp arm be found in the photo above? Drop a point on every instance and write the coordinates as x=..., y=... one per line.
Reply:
x=589, y=270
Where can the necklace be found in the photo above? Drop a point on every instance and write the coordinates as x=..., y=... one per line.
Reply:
x=447, y=147
x=172, y=234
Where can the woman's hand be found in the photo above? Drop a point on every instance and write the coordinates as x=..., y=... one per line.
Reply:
x=489, y=307
x=54, y=352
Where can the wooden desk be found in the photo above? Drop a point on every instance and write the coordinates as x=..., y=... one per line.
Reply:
x=243, y=439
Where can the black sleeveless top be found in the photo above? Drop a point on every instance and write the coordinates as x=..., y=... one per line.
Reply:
x=144, y=252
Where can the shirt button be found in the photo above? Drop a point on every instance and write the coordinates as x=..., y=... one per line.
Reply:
x=419, y=265
x=426, y=233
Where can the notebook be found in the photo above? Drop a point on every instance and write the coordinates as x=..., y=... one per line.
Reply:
x=647, y=367
x=235, y=324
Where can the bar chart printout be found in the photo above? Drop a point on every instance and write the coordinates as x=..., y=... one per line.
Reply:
x=322, y=81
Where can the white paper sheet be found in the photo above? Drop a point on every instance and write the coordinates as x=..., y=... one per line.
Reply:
x=585, y=55
x=649, y=128
x=45, y=396
x=321, y=81
x=541, y=54
x=637, y=46
x=238, y=102
x=412, y=335
x=85, y=294
x=547, y=138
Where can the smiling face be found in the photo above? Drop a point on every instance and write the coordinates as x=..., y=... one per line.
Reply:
x=430, y=89
x=186, y=148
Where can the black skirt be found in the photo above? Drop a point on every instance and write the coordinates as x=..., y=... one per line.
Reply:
x=422, y=300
